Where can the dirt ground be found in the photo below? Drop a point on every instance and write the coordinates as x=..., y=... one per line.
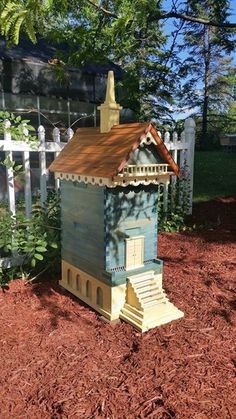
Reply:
x=59, y=359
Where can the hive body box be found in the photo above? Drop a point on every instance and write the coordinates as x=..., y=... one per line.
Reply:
x=97, y=224
x=109, y=199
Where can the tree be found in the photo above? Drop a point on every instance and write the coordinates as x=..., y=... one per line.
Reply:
x=130, y=33
x=125, y=35
x=206, y=65
x=222, y=119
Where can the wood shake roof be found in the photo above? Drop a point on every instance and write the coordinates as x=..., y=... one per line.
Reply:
x=97, y=154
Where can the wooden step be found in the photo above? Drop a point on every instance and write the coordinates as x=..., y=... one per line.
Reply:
x=146, y=320
x=146, y=283
x=154, y=303
x=137, y=311
x=154, y=294
x=128, y=315
x=139, y=278
x=147, y=289
x=172, y=314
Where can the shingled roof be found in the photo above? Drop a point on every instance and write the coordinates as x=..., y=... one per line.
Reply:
x=97, y=154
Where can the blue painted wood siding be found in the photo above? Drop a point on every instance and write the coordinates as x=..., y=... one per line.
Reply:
x=145, y=155
x=96, y=221
x=82, y=217
x=130, y=211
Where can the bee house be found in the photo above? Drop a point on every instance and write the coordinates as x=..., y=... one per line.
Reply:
x=109, y=191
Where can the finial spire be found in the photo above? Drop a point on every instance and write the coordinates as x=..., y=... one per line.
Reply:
x=109, y=110
x=110, y=92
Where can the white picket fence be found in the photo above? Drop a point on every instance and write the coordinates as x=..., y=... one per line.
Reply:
x=181, y=148
x=10, y=146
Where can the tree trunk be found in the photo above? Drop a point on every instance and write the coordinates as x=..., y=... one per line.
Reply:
x=207, y=57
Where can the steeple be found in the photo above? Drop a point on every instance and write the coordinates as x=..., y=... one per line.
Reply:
x=109, y=110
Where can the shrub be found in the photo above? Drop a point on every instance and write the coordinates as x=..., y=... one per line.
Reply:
x=178, y=205
x=35, y=240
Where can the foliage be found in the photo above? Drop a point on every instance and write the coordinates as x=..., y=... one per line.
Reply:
x=174, y=222
x=26, y=16
x=205, y=69
x=36, y=240
x=130, y=33
x=131, y=40
x=19, y=128
x=174, y=219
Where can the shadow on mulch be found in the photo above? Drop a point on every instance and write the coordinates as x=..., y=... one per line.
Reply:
x=215, y=220
x=45, y=290
x=218, y=221
x=59, y=360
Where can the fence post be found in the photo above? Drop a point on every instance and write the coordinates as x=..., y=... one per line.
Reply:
x=189, y=130
x=43, y=167
x=56, y=138
x=26, y=165
x=10, y=171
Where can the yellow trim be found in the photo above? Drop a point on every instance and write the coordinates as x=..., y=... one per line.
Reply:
x=113, y=297
x=141, y=302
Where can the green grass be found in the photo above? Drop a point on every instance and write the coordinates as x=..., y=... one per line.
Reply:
x=214, y=175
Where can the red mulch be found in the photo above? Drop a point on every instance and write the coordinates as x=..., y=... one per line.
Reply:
x=59, y=359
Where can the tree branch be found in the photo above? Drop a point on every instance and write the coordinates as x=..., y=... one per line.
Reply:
x=101, y=9
x=195, y=19
x=169, y=15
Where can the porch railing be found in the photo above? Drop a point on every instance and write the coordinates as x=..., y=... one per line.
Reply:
x=144, y=170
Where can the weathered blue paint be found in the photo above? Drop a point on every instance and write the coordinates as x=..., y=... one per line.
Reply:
x=95, y=223
x=128, y=213
x=145, y=155
x=82, y=218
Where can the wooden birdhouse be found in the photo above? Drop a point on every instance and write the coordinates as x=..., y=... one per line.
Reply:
x=109, y=192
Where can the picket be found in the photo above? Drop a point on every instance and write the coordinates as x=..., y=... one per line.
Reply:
x=27, y=176
x=9, y=170
x=180, y=146
x=10, y=146
x=56, y=138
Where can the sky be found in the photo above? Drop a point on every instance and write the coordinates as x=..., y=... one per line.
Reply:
x=167, y=5
x=169, y=23
x=169, y=28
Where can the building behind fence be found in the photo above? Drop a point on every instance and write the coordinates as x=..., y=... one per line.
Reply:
x=181, y=147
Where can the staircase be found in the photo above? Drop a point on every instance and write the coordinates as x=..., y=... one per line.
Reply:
x=147, y=305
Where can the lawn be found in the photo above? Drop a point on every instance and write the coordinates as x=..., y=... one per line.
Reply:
x=214, y=175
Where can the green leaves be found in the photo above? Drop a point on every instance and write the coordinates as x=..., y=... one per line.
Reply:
x=36, y=239
x=174, y=220
x=40, y=249
x=38, y=256
x=23, y=16
x=20, y=129
x=206, y=65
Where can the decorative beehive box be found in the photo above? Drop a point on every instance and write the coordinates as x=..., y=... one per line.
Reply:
x=109, y=177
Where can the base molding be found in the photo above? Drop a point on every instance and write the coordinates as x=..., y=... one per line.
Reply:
x=103, y=298
x=141, y=302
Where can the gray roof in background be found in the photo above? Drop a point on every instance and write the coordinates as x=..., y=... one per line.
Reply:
x=43, y=51
x=24, y=69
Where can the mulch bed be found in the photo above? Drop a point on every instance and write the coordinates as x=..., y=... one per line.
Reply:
x=59, y=359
